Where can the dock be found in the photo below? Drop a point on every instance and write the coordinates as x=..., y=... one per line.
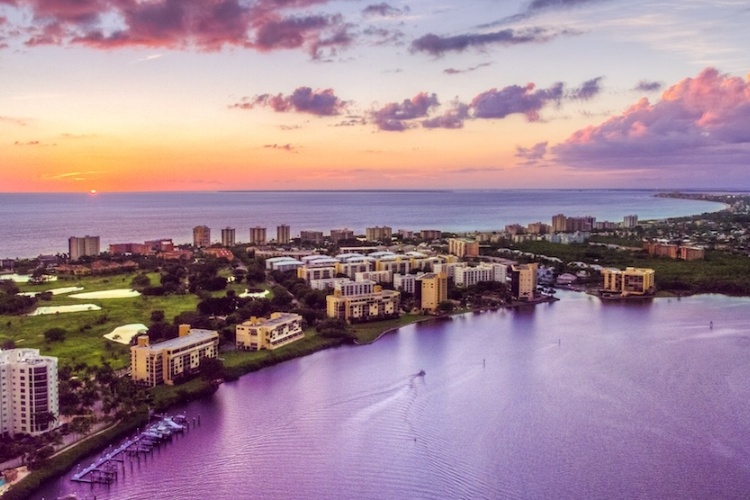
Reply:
x=105, y=469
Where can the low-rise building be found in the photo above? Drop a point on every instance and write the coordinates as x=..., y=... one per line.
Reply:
x=29, y=400
x=631, y=281
x=469, y=276
x=168, y=361
x=269, y=333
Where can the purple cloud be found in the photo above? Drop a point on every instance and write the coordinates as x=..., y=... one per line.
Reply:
x=453, y=118
x=383, y=10
x=437, y=45
x=588, y=90
x=393, y=116
x=648, y=86
x=515, y=99
x=453, y=71
x=302, y=100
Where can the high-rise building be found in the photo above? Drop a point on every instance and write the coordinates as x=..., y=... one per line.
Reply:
x=29, y=400
x=630, y=221
x=257, y=235
x=433, y=289
x=82, y=246
x=283, y=234
x=314, y=237
x=201, y=236
x=341, y=235
x=378, y=233
x=430, y=234
x=462, y=247
x=559, y=223
x=227, y=237
x=523, y=281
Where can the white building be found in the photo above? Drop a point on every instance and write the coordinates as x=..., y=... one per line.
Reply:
x=376, y=276
x=468, y=276
x=29, y=400
x=405, y=282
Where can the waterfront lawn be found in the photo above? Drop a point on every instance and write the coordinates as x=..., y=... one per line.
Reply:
x=83, y=341
x=369, y=332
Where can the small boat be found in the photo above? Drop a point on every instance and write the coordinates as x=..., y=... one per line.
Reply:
x=421, y=373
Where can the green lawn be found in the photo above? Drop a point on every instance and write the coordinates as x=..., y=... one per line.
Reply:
x=84, y=342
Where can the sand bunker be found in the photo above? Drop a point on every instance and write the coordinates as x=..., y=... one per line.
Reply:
x=25, y=278
x=122, y=293
x=125, y=333
x=54, y=291
x=64, y=309
x=258, y=295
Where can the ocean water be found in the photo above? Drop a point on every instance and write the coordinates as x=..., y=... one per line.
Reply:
x=34, y=224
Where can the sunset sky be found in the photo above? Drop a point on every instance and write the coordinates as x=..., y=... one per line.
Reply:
x=178, y=95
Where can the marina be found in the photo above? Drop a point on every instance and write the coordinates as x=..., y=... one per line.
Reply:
x=106, y=468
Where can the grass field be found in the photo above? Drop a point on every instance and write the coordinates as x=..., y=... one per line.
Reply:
x=83, y=340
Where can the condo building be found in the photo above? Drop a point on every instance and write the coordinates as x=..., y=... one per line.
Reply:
x=631, y=281
x=314, y=237
x=29, y=400
x=468, y=276
x=269, y=333
x=228, y=237
x=362, y=301
x=166, y=362
x=431, y=290
x=82, y=246
x=523, y=281
x=630, y=221
x=257, y=235
x=430, y=234
x=341, y=235
x=462, y=247
x=201, y=236
x=378, y=233
x=283, y=234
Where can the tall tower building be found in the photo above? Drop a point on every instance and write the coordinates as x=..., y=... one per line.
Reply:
x=283, y=234
x=29, y=400
x=257, y=235
x=559, y=223
x=201, y=236
x=227, y=237
x=80, y=247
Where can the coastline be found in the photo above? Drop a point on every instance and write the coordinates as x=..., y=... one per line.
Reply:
x=67, y=458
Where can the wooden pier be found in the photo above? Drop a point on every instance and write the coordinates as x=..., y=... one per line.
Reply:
x=105, y=469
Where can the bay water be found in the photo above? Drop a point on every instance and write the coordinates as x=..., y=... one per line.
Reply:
x=568, y=400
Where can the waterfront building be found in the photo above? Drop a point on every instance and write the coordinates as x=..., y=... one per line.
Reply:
x=462, y=247
x=201, y=236
x=257, y=235
x=468, y=276
x=631, y=281
x=362, y=301
x=523, y=279
x=29, y=400
x=378, y=233
x=82, y=246
x=168, y=361
x=431, y=290
x=269, y=333
x=314, y=237
x=430, y=234
x=228, y=237
x=283, y=234
x=341, y=235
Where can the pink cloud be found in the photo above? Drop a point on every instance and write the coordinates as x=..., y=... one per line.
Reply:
x=699, y=121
